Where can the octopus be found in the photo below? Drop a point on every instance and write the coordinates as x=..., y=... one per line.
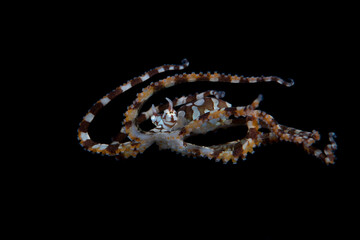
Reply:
x=177, y=119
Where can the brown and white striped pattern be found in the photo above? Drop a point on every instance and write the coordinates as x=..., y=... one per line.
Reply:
x=202, y=114
x=147, y=92
x=115, y=147
x=195, y=109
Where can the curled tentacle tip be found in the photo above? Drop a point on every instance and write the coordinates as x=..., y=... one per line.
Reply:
x=290, y=82
x=332, y=134
x=185, y=62
x=221, y=94
x=260, y=97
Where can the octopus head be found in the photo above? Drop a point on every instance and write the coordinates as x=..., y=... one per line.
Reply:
x=167, y=120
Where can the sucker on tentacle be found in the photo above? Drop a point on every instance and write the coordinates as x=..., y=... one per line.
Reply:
x=196, y=114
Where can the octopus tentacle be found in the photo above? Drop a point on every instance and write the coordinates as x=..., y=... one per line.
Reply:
x=197, y=114
x=133, y=111
x=121, y=136
x=178, y=102
x=115, y=148
x=327, y=155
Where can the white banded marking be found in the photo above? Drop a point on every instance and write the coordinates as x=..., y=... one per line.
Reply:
x=100, y=146
x=145, y=77
x=125, y=87
x=103, y=146
x=89, y=117
x=200, y=96
x=84, y=136
x=216, y=103
x=252, y=80
x=250, y=124
x=196, y=112
x=317, y=153
x=247, y=143
x=105, y=101
x=199, y=102
x=181, y=101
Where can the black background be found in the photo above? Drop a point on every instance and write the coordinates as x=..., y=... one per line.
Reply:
x=99, y=60
x=89, y=53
